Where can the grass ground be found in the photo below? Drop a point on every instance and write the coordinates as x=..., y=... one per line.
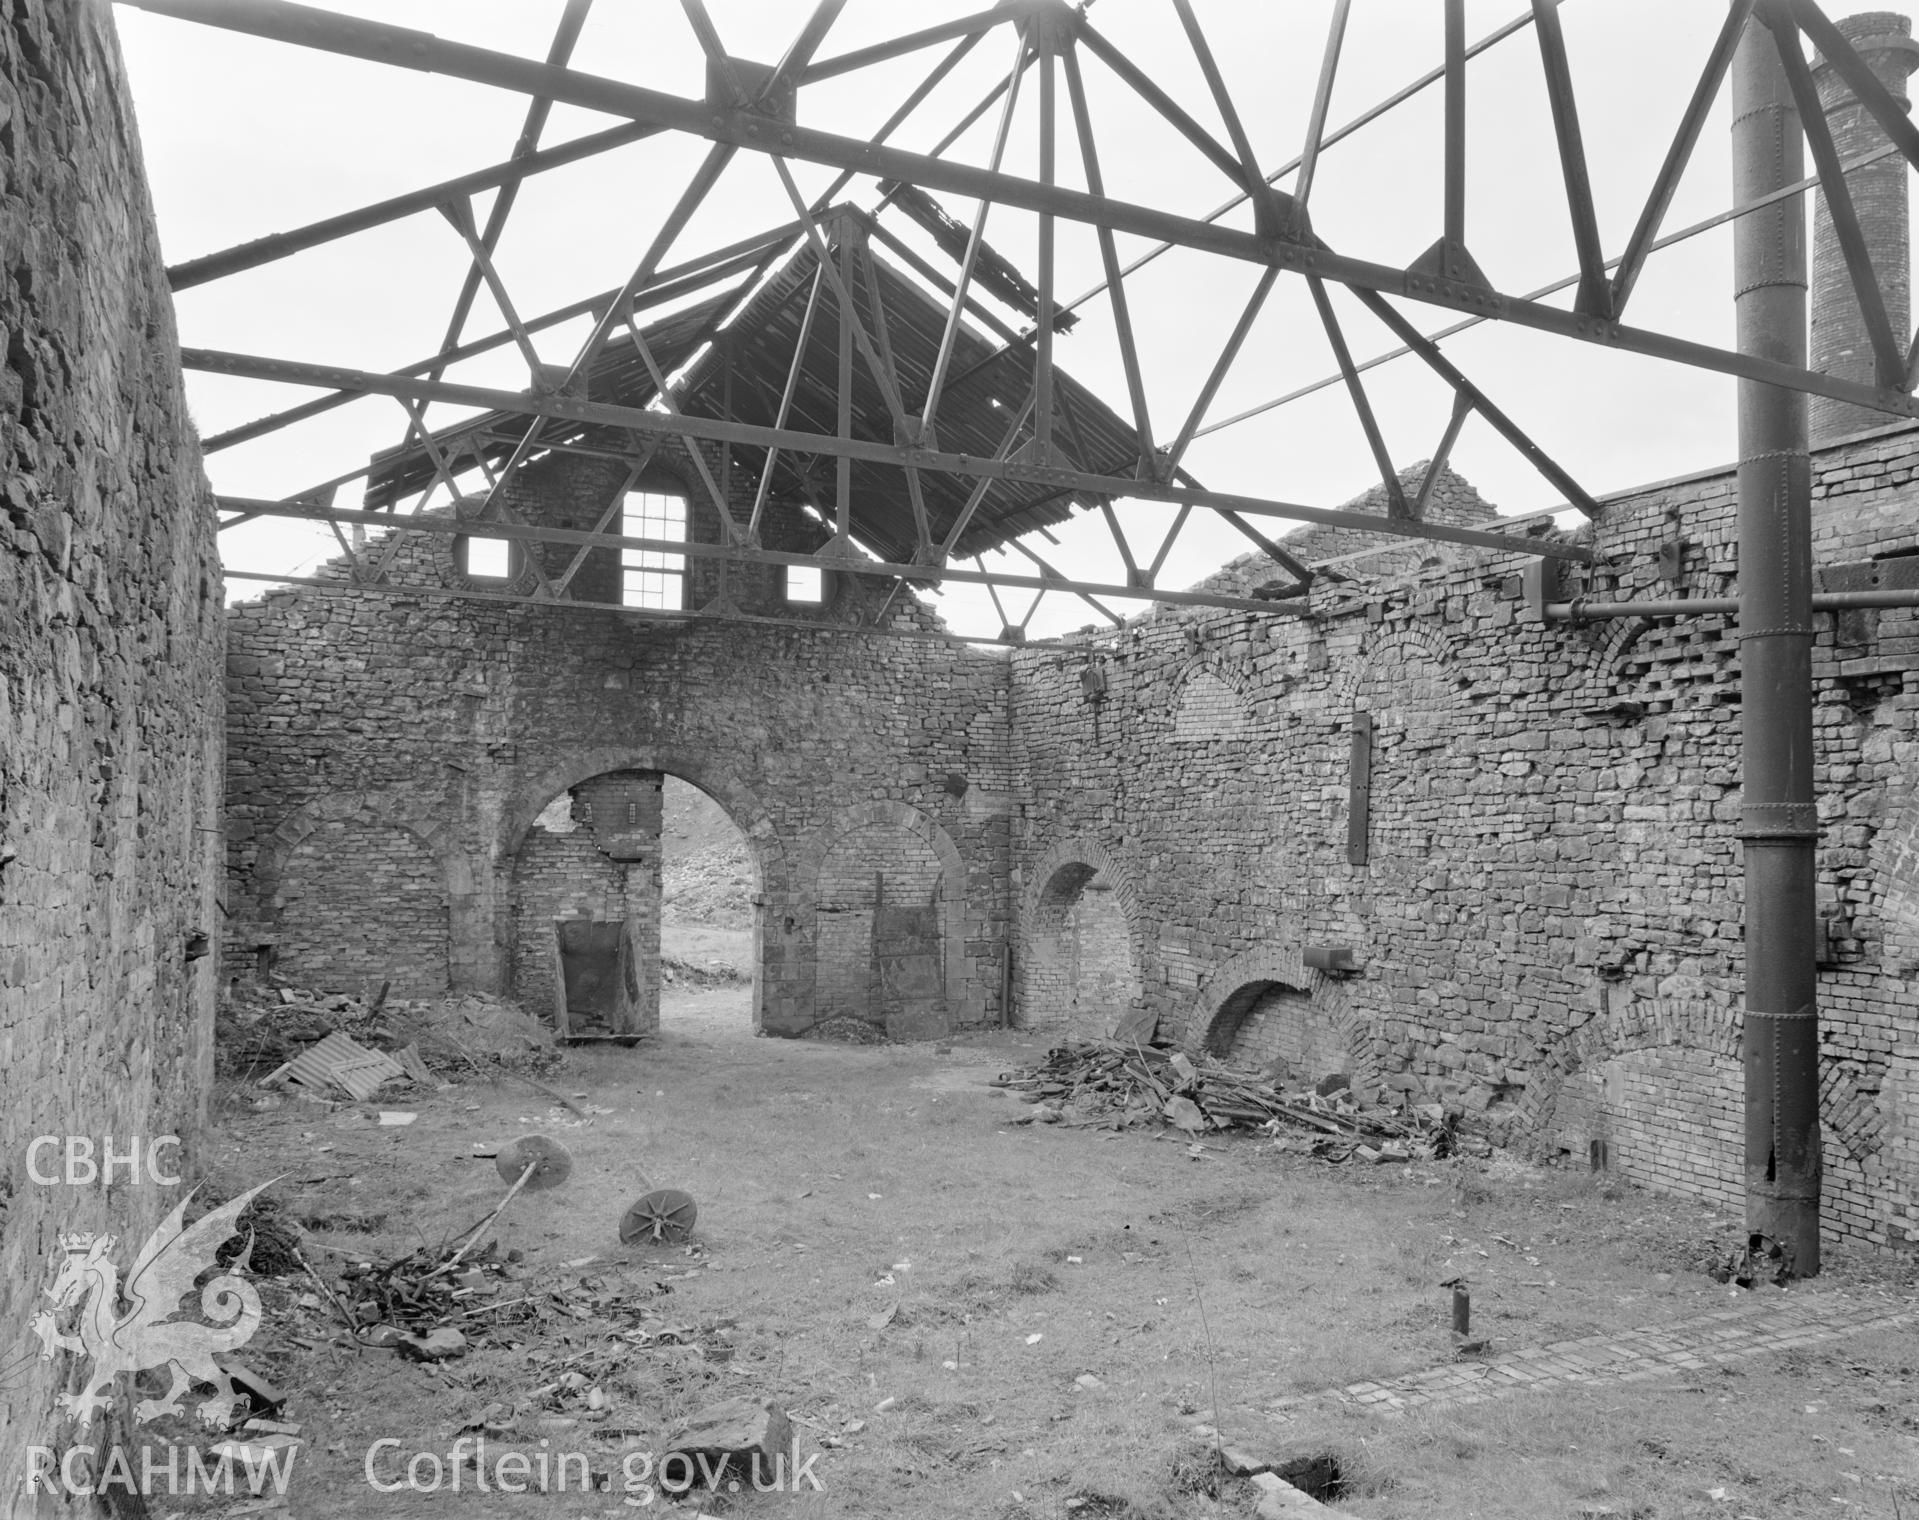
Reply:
x=838, y=1183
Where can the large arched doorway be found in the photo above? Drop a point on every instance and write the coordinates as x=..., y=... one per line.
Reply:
x=590, y=950
x=1080, y=972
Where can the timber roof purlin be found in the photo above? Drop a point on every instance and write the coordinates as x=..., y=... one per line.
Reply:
x=988, y=385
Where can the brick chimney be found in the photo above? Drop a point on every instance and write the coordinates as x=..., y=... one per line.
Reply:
x=1840, y=345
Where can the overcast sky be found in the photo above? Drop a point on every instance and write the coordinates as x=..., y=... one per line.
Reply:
x=245, y=138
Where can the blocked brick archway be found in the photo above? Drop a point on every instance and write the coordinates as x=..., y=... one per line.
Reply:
x=1080, y=960
x=441, y=948
x=856, y=843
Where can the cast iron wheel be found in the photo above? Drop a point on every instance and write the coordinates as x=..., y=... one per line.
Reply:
x=663, y=1217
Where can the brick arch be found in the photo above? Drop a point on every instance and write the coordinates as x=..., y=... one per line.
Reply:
x=811, y=857
x=740, y=803
x=1628, y=1025
x=1849, y=1113
x=1211, y=716
x=1385, y=657
x=1596, y=688
x=1093, y=859
x=426, y=821
x=1281, y=961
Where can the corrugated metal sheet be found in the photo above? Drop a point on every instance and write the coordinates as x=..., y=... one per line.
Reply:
x=340, y=1062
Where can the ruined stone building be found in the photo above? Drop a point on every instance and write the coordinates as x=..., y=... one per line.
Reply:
x=1400, y=828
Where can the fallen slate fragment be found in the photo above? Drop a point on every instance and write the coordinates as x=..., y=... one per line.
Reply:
x=732, y=1433
x=1242, y=1463
x=441, y=1345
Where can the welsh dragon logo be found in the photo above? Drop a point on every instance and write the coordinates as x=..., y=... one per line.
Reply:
x=146, y=1335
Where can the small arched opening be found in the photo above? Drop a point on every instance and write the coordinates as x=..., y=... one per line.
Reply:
x=1275, y=1025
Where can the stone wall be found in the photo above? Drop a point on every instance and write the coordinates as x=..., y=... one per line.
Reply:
x=110, y=731
x=840, y=756
x=1543, y=902
x=1547, y=910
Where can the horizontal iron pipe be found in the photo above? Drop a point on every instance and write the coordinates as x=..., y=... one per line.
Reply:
x=1581, y=611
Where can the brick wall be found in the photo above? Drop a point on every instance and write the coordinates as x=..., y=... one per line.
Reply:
x=1548, y=917
x=1841, y=342
x=351, y=892
x=1080, y=976
x=873, y=865
x=110, y=734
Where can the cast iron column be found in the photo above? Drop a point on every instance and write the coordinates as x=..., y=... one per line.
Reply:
x=1775, y=651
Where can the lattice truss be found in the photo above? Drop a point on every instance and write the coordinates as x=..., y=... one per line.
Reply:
x=828, y=362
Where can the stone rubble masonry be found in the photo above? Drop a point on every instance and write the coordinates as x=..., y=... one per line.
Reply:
x=1547, y=925
x=111, y=734
x=838, y=755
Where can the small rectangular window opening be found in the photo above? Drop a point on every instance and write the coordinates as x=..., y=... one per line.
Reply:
x=653, y=577
x=805, y=584
x=489, y=558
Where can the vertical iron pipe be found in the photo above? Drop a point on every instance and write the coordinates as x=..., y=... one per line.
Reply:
x=1780, y=825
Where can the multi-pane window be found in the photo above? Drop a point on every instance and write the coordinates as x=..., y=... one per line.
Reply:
x=653, y=577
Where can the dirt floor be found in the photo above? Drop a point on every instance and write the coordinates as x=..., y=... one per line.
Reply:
x=968, y=1317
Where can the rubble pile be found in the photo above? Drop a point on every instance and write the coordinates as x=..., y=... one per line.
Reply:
x=1109, y=1084
x=270, y=1027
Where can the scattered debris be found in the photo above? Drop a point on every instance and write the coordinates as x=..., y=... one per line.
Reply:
x=736, y=1435
x=435, y=1346
x=340, y=1063
x=1761, y=1259
x=1111, y=1085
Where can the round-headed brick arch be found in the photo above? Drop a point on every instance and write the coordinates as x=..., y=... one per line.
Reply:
x=812, y=857
x=1599, y=685
x=1384, y=659
x=1053, y=886
x=735, y=798
x=1628, y=1025
x=1224, y=997
x=1851, y=1114
x=426, y=821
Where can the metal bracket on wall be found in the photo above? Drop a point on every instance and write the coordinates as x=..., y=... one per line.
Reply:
x=1360, y=790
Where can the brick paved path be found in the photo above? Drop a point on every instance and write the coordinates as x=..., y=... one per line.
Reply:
x=1764, y=1323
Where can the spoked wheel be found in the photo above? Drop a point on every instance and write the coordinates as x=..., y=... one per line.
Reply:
x=663, y=1217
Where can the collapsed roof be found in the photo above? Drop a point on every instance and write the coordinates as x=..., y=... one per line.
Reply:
x=731, y=355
